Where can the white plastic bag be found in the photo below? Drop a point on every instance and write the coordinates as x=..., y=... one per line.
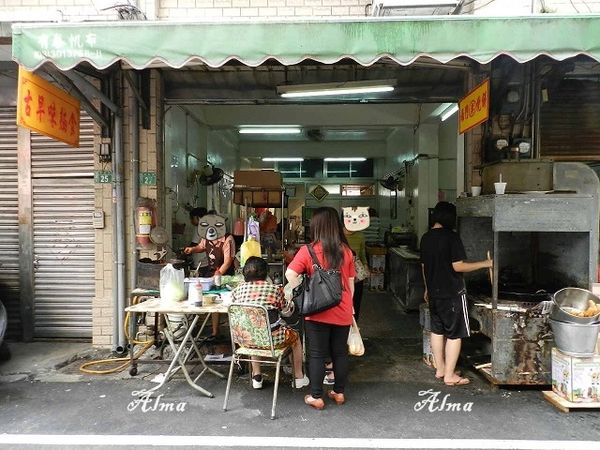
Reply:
x=355, y=343
x=171, y=284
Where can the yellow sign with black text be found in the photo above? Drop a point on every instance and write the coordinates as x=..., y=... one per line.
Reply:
x=475, y=107
x=45, y=108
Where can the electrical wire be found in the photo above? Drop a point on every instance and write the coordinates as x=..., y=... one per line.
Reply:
x=574, y=7
x=470, y=2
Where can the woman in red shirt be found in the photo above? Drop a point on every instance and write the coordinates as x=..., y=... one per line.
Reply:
x=327, y=331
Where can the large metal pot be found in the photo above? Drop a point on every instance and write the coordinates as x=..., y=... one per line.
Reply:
x=575, y=339
x=575, y=298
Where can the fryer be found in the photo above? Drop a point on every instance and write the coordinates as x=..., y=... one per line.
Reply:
x=540, y=242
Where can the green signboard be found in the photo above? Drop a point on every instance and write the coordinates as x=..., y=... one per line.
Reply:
x=148, y=178
x=103, y=177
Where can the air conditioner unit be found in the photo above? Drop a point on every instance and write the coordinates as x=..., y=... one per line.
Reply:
x=413, y=7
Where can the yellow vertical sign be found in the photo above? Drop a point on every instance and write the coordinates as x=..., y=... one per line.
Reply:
x=474, y=108
x=44, y=108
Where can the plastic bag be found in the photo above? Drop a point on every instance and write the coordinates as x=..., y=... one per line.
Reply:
x=171, y=284
x=361, y=270
x=355, y=343
x=249, y=248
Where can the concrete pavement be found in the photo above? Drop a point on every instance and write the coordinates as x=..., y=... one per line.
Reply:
x=391, y=395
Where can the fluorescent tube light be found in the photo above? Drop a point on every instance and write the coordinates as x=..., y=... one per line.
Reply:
x=440, y=109
x=329, y=89
x=346, y=159
x=283, y=159
x=270, y=130
x=449, y=112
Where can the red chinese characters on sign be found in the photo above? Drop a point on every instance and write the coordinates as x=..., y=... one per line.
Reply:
x=44, y=108
x=474, y=107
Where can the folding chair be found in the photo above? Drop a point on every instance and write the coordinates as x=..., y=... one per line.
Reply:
x=251, y=332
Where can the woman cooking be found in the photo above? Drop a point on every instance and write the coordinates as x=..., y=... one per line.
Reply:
x=220, y=249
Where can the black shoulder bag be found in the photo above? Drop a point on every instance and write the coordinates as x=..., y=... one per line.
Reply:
x=320, y=291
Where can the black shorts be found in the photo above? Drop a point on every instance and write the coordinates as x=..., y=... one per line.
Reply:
x=450, y=317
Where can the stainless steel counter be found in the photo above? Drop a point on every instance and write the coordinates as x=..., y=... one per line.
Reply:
x=405, y=277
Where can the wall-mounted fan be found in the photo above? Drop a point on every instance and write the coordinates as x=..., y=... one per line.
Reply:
x=207, y=175
x=394, y=181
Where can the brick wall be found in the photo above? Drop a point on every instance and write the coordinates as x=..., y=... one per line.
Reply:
x=102, y=309
x=52, y=11
x=176, y=9
x=526, y=7
x=78, y=10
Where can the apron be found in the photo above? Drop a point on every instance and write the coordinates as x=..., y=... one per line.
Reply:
x=216, y=257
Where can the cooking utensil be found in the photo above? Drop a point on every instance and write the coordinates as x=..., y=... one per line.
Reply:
x=577, y=299
x=490, y=269
x=575, y=339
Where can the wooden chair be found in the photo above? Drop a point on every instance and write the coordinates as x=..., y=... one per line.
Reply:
x=251, y=341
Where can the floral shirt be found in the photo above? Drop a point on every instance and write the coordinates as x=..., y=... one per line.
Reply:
x=265, y=294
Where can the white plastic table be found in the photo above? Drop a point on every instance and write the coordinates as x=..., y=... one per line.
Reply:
x=185, y=348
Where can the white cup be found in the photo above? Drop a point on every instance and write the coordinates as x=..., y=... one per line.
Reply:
x=500, y=187
x=475, y=191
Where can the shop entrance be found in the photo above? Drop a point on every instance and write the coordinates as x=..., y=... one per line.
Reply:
x=405, y=156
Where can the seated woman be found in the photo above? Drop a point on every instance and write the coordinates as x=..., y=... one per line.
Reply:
x=258, y=291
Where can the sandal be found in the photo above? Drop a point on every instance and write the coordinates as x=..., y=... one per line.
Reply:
x=316, y=403
x=457, y=373
x=459, y=382
x=338, y=398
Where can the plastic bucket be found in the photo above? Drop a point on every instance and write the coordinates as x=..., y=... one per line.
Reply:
x=575, y=339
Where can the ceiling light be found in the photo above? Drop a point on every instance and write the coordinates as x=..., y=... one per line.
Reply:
x=270, y=130
x=343, y=88
x=440, y=109
x=283, y=159
x=449, y=112
x=346, y=159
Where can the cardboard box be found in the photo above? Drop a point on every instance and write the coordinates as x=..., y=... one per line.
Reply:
x=257, y=178
x=428, y=358
x=576, y=379
x=377, y=263
x=259, y=199
x=376, y=282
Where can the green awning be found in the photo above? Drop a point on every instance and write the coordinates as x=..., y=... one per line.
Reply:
x=443, y=38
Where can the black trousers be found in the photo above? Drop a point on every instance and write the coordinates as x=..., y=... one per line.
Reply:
x=324, y=340
x=357, y=298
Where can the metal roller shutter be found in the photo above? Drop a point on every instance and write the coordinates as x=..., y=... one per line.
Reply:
x=569, y=121
x=9, y=221
x=63, y=236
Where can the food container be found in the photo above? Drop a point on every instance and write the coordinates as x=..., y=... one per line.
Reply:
x=207, y=283
x=194, y=290
x=570, y=299
x=226, y=298
x=209, y=299
x=575, y=339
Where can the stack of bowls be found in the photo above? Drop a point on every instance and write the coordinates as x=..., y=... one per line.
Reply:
x=574, y=335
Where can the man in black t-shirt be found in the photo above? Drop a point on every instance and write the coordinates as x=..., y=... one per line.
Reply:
x=442, y=262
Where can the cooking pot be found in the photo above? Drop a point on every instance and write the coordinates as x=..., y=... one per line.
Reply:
x=575, y=339
x=574, y=299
